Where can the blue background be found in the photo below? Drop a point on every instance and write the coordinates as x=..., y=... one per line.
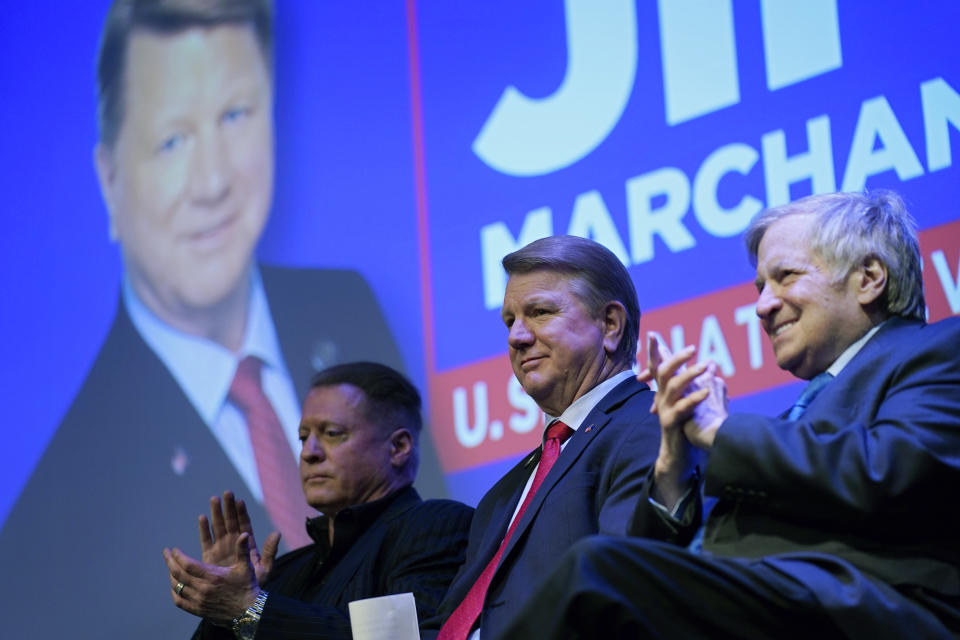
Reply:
x=346, y=193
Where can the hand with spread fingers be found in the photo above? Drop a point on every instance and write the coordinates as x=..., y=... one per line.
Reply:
x=218, y=593
x=691, y=403
x=219, y=534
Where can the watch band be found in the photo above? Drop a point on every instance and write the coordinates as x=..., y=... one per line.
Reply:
x=245, y=625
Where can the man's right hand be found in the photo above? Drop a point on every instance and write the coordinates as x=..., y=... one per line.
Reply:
x=219, y=535
x=678, y=394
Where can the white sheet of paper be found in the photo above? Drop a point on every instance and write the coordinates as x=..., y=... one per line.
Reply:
x=385, y=618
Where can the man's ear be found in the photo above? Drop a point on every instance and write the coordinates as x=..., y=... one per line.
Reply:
x=870, y=280
x=104, y=165
x=614, y=323
x=401, y=447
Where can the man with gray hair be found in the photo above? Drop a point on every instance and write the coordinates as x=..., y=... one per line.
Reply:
x=572, y=320
x=830, y=518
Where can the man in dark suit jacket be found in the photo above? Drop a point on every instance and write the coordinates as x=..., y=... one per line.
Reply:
x=185, y=162
x=572, y=317
x=829, y=520
x=133, y=459
x=376, y=537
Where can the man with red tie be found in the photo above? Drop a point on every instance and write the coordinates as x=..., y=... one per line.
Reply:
x=572, y=321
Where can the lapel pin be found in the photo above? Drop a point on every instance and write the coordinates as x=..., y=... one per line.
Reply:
x=179, y=461
x=588, y=429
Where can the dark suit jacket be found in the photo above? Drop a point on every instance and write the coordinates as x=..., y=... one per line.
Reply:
x=593, y=487
x=132, y=465
x=412, y=546
x=859, y=480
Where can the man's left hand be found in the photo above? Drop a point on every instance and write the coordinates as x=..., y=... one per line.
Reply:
x=217, y=593
x=695, y=398
x=701, y=429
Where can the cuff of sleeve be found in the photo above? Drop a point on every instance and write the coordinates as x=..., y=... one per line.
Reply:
x=680, y=514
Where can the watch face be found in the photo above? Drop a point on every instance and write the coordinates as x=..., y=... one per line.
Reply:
x=245, y=627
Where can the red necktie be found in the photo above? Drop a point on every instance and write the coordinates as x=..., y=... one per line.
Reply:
x=459, y=624
x=279, y=477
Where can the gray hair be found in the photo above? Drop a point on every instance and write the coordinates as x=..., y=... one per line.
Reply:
x=598, y=278
x=848, y=229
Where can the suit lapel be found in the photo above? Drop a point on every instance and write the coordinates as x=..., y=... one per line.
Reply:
x=595, y=421
x=177, y=425
x=508, y=491
x=844, y=398
x=293, y=338
x=190, y=457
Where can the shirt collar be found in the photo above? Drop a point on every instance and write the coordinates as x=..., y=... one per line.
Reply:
x=203, y=368
x=848, y=353
x=350, y=524
x=576, y=413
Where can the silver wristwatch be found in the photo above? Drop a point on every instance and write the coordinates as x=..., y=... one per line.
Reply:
x=245, y=625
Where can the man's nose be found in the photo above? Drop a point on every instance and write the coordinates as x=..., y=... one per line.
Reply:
x=520, y=335
x=311, y=450
x=209, y=179
x=767, y=302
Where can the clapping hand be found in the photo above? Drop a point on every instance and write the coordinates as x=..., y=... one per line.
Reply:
x=218, y=536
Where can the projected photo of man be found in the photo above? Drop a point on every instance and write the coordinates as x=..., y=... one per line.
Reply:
x=198, y=384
